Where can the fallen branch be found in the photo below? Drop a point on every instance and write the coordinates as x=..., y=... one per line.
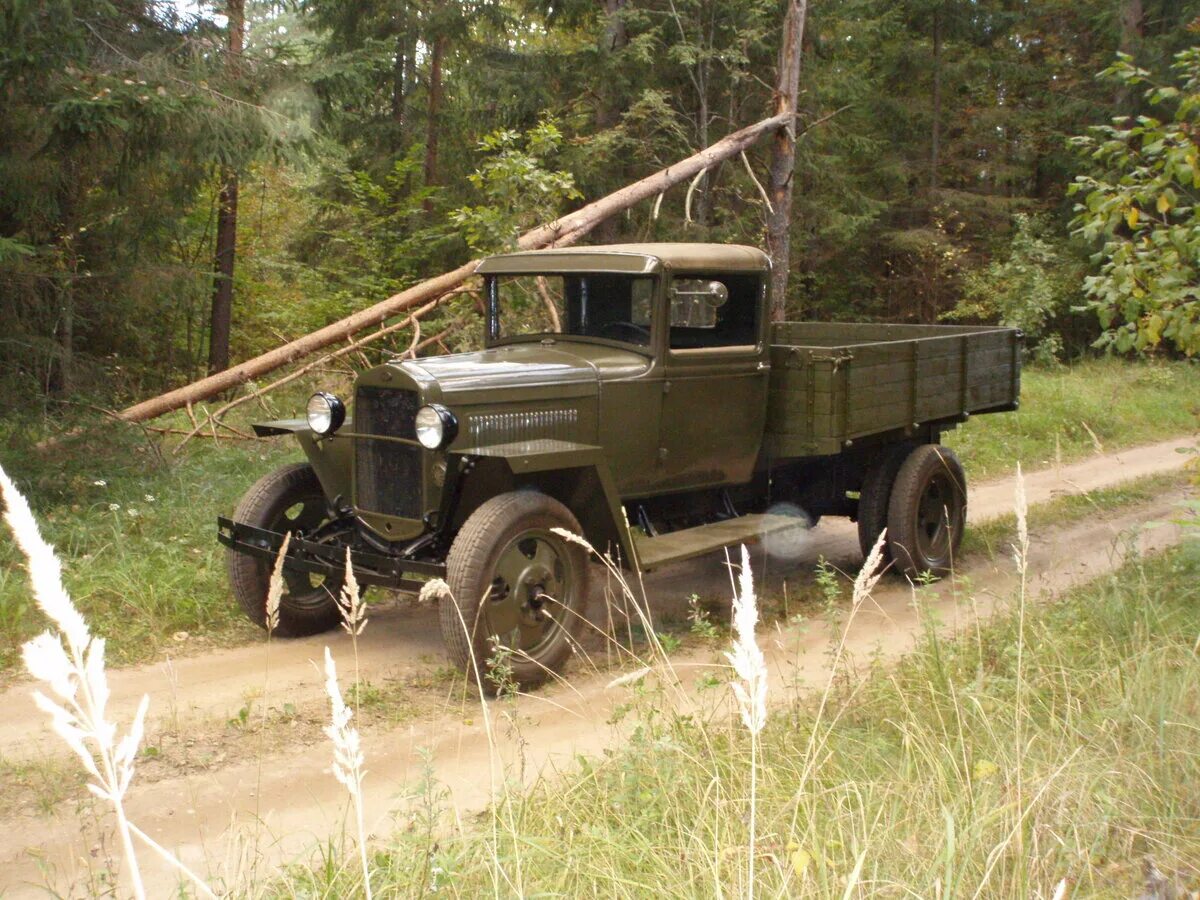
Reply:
x=561, y=232
x=218, y=415
x=305, y=369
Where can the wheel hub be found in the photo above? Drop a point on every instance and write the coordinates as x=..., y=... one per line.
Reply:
x=528, y=574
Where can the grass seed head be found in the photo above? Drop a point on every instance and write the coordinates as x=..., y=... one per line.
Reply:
x=350, y=604
x=871, y=571
x=1021, y=547
x=45, y=571
x=747, y=659
x=347, y=748
x=275, y=586
x=75, y=674
x=433, y=589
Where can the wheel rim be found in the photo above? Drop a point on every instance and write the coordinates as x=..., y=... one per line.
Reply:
x=303, y=590
x=531, y=592
x=939, y=518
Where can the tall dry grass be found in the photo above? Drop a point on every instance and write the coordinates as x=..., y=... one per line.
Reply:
x=348, y=760
x=70, y=661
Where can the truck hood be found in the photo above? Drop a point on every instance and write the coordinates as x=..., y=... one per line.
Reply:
x=576, y=368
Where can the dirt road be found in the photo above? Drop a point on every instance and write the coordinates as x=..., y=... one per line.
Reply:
x=229, y=798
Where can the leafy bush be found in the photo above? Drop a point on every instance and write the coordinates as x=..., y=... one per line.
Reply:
x=519, y=188
x=1029, y=288
x=1139, y=205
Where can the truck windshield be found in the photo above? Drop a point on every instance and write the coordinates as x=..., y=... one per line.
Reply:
x=613, y=307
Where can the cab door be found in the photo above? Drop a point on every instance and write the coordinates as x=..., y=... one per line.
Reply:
x=715, y=370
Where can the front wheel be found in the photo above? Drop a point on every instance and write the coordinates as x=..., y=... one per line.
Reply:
x=927, y=512
x=287, y=500
x=519, y=591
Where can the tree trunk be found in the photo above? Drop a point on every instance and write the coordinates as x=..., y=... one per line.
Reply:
x=1132, y=25
x=1132, y=31
x=560, y=232
x=433, y=121
x=783, y=155
x=935, y=137
x=707, y=180
x=65, y=383
x=613, y=39
x=399, y=88
x=221, y=316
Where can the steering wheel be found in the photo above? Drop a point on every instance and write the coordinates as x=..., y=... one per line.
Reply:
x=639, y=334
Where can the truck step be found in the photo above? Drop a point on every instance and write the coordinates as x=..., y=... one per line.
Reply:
x=668, y=548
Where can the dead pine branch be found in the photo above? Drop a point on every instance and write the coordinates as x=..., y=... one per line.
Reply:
x=305, y=369
x=316, y=365
x=560, y=232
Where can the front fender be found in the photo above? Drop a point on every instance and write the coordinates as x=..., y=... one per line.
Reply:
x=332, y=457
x=575, y=474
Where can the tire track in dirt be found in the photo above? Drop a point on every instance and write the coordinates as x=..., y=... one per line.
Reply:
x=209, y=817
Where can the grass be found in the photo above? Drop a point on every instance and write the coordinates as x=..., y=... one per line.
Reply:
x=149, y=574
x=996, y=535
x=1066, y=411
x=968, y=769
x=135, y=528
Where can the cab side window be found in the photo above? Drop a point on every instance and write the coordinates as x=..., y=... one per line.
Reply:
x=714, y=310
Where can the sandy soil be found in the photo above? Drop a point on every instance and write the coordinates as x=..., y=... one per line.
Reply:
x=230, y=800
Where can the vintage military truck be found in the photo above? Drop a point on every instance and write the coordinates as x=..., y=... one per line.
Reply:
x=636, y=395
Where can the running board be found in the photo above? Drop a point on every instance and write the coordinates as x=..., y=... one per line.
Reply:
x=677, y=545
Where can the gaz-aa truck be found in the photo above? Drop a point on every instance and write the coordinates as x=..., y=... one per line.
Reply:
x=638, y=396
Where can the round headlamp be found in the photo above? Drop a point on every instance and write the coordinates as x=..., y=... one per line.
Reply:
x=436, y=426
x=326, y=413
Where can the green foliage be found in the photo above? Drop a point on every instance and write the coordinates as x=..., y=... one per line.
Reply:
x=362, y=172
x=116, y=122
x=1139, y=203
x=1075, y=410
x=1033, y=284
x=519, y=188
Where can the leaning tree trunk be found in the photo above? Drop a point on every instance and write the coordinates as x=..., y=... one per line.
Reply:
x=783, y=156
x=559, y=231
x=221, y=317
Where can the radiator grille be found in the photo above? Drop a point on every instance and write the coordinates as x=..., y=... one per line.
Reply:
x=387, y=473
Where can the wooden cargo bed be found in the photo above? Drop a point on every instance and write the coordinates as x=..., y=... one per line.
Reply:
x=833, y=385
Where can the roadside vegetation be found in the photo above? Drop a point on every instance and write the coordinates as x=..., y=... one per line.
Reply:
x=1072, y=411
x=994, y=538
x=134, y=522
x=1050, y=752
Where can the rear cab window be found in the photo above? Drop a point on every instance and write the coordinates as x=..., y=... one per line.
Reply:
x=713, y=310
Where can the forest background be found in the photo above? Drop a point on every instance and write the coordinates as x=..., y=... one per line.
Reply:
x=184, y=187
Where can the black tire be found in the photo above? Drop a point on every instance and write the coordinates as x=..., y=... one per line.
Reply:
x=927, y=512
x=512, y=532
x=288, y=499
x=874, y=495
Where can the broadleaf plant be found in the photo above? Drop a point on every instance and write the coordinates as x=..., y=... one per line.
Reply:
x=1139, y=204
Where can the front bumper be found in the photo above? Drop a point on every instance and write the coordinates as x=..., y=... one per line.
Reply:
x=326, y=559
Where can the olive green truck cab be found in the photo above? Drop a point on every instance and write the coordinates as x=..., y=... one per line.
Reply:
x=633, y=395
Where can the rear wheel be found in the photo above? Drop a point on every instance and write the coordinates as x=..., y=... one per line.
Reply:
x=927, y=511
x=513, y=579
x=288, y=499
x=874, y=495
